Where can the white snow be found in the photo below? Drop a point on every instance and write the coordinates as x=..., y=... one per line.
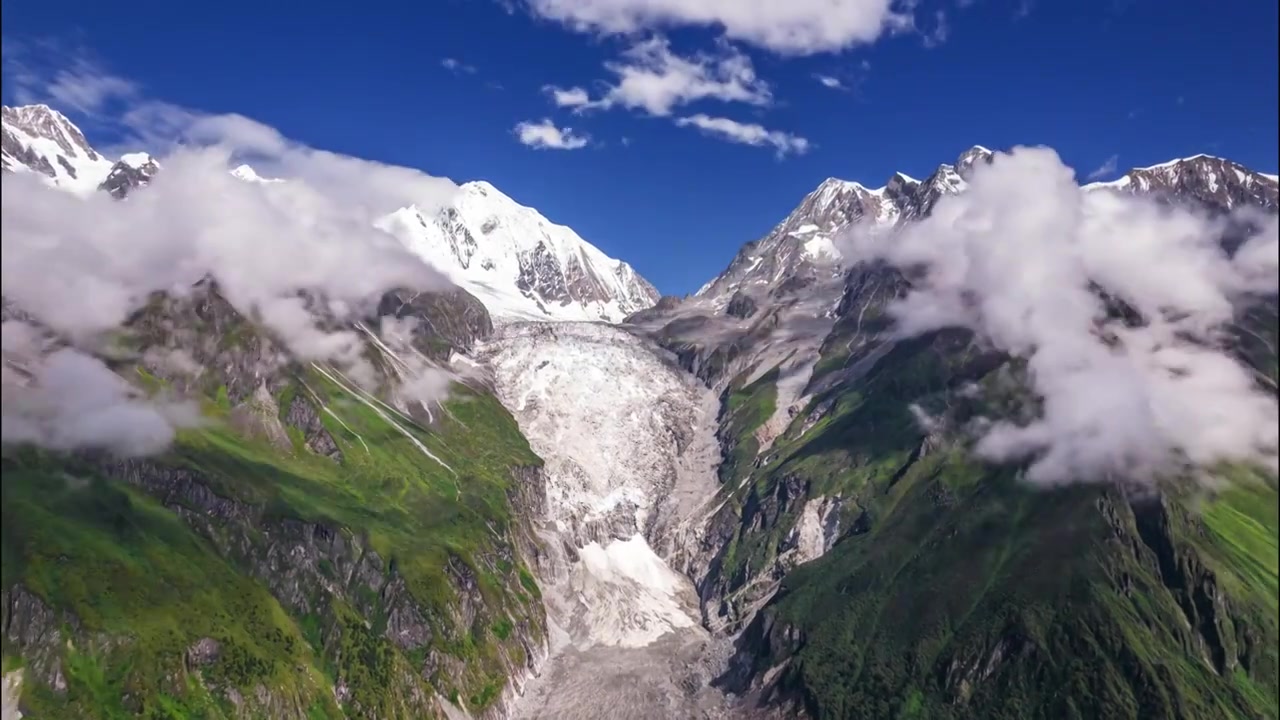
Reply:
x=820, y=246
x=248, y=174
x=636, y=597
x=487, y=243
x=83, y=170
x=1118, y=184
x=136, y=160
x=609, y=416
x=10, y=694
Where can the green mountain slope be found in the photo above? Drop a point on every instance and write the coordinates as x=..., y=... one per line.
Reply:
x=310, y=551
x=957, y=591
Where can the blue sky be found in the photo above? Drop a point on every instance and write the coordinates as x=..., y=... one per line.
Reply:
x=1142, y=81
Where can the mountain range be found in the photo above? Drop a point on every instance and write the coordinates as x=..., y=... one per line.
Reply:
x=763, y=500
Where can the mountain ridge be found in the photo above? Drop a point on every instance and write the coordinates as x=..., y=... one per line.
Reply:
x=519, y=263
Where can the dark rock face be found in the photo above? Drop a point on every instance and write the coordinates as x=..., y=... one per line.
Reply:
x=445, y=321
x=126, y=177
x=741, y=306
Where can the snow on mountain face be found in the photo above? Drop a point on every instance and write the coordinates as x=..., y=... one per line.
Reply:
x=39, y=139
x=800, y=249
x=521, y=265
x=1215, y=182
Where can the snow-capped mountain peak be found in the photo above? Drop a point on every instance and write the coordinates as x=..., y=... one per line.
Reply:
x=39, y=139
x=519, y=263
x=248, y=174
x=133, y=170
x=1217, y=183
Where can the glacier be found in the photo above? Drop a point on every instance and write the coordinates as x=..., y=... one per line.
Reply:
x=628, y=438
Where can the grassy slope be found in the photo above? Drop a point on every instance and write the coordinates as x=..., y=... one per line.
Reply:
x=747, y=407
x=971, y=595
x=127, y=567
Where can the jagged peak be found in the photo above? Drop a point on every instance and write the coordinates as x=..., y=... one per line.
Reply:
x=1192, y=158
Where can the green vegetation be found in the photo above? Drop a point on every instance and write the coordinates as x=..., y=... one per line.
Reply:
x=960, y=592
x=125, y=567
x=746, y=409
x=145, y=585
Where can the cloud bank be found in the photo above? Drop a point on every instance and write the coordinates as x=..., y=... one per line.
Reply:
x=1018, y=259
x=82, y=265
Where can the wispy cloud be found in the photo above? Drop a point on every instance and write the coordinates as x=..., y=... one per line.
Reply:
x=457, y=67
x=845, y=78
x=546, y=135
x=940, y=32
x=1108, y=167
x=830, y=81
x=747, y=134
x=46, y=72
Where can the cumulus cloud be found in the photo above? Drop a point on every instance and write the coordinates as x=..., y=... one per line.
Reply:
x=1108, y=167
x=545, y=135
x=1019, y=258
x=795, y=27
x=747, y=134
x=567, y=97
x=652, y=78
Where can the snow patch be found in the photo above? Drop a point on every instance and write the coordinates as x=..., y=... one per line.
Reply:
x=137, y=160
x=10, y=694
x=248, y=174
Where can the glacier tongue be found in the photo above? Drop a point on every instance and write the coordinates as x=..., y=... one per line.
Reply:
x=612, y=418
x=628, y=439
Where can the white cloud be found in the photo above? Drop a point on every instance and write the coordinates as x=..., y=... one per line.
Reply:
x=82, y=265
x=456, y=66
x=829, y=81
x=847, y=79
x=79, y=85
x=793, y=27
x=1108, y=167
x=747, y=134
x=567, y=97
x=72, y=401
x=1016, y=258
x=545, y=135
x=652, y=78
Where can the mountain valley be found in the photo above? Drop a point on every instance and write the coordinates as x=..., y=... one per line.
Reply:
x=539, y=490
